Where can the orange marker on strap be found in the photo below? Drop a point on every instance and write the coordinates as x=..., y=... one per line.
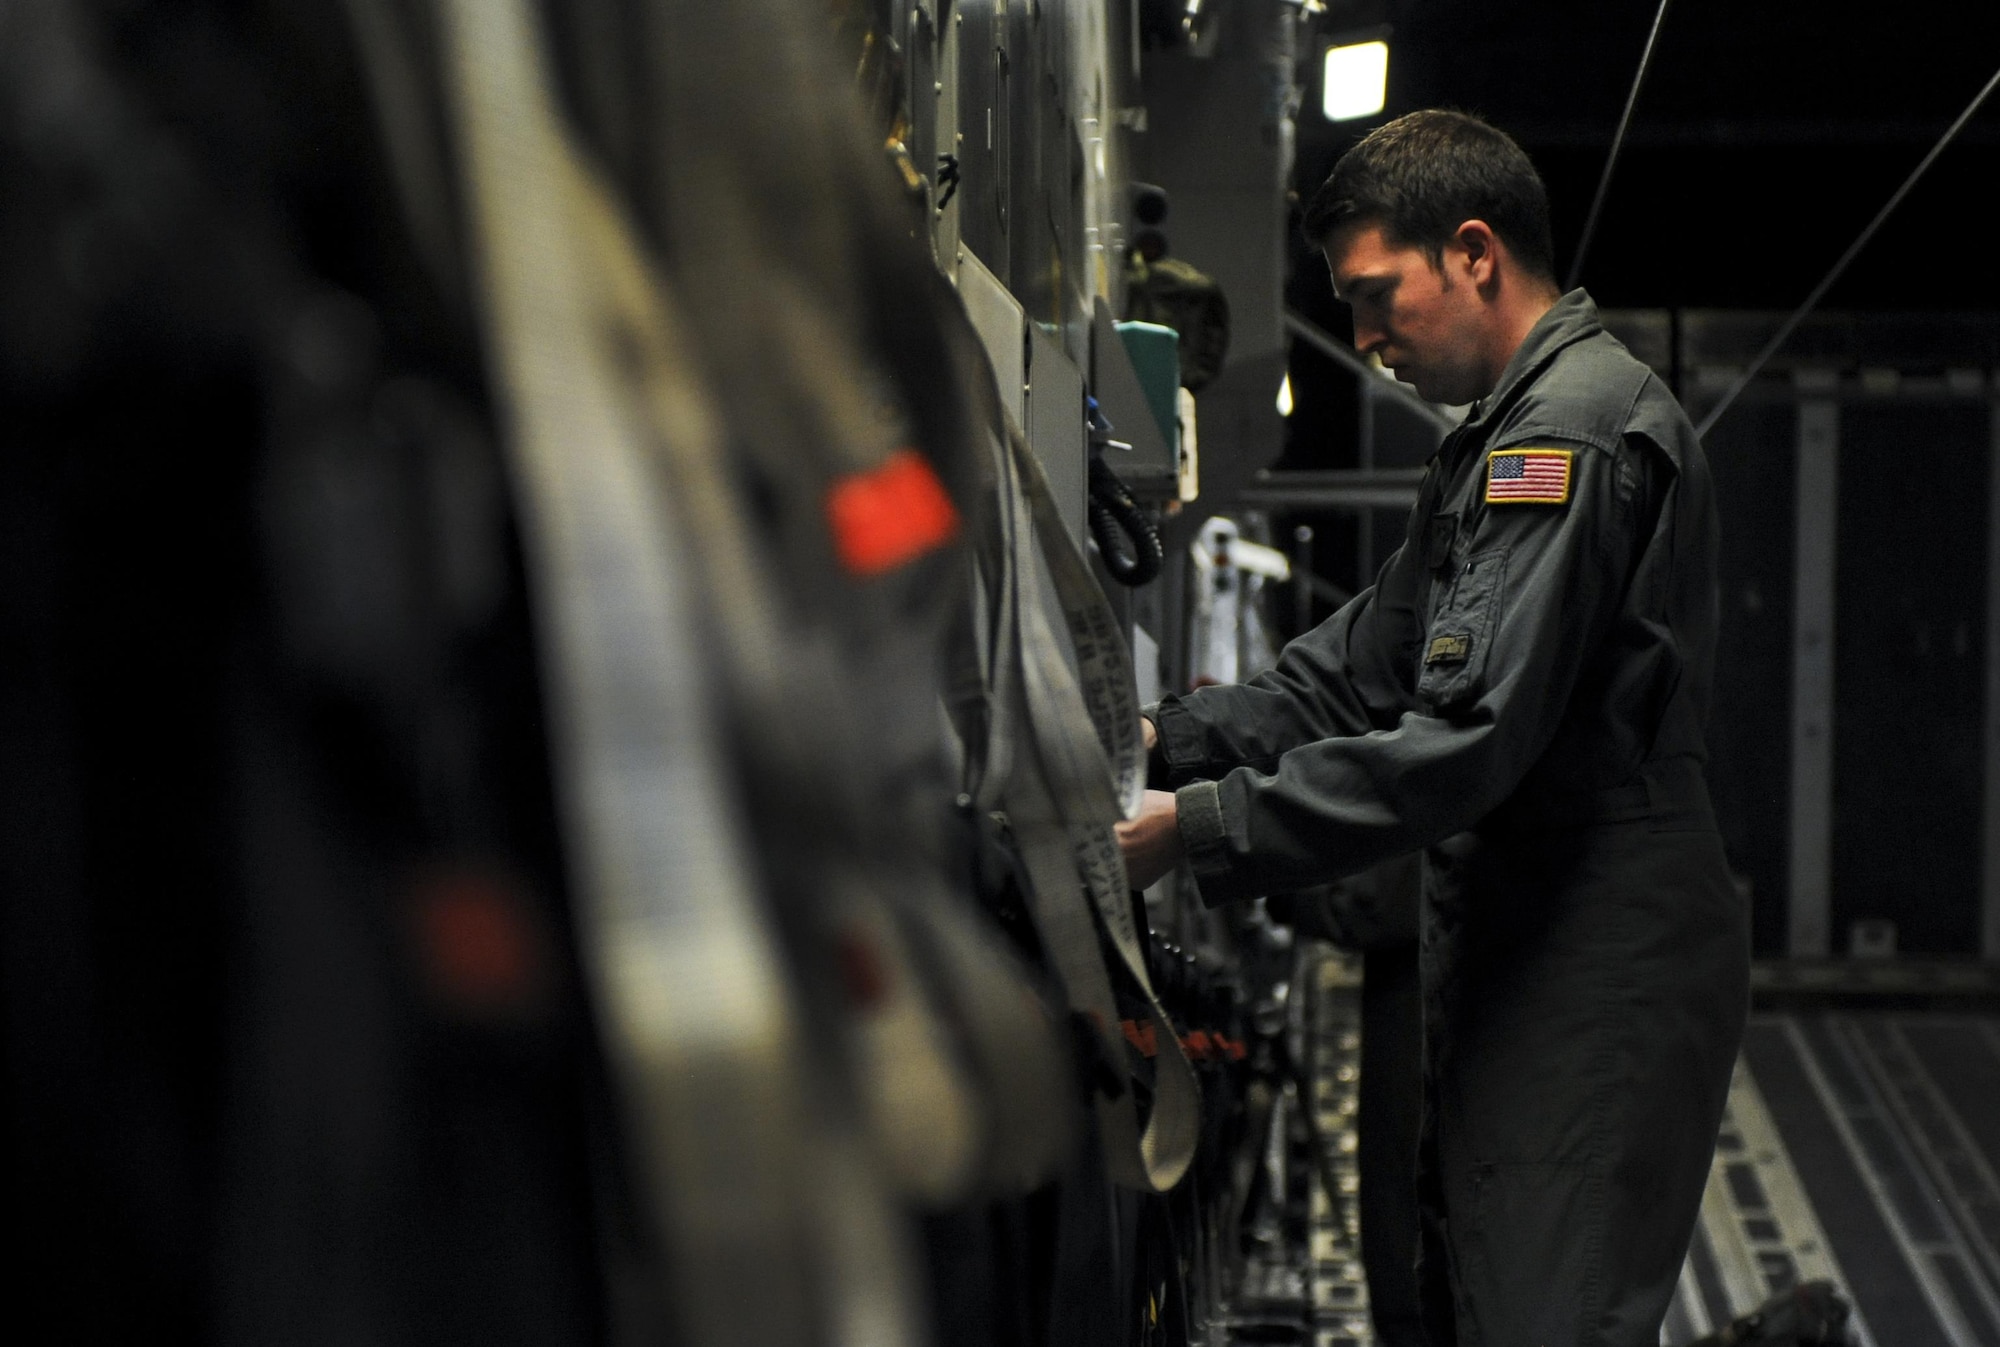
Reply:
x=889, y=515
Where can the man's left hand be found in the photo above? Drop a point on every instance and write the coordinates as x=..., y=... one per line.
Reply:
x=1152, y=841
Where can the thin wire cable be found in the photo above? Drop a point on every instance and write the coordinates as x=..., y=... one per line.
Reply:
x=1812, y=300
x=1617, y=145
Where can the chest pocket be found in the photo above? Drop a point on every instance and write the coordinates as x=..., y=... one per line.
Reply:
x=1438, y=539
x=1452, y=667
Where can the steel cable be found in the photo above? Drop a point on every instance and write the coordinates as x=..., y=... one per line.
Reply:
x=1617, y=146
x=1785, y=329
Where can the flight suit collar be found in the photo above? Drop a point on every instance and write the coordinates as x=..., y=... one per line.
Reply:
x=1570, y=320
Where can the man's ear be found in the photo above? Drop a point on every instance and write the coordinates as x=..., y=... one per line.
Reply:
x=1476, y=239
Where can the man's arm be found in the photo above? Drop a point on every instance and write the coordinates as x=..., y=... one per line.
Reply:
x=1347, y=676
x=1536, y=594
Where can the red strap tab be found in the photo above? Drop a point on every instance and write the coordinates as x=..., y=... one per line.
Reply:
x=890, y=515
x=1141, y=1036
x=477, y=933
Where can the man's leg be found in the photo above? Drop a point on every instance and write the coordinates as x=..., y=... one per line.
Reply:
x=1587, y=1060
x=1390, y=1108
x=1439, y=940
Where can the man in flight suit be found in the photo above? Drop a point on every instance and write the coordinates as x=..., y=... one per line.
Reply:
x=1528, y=678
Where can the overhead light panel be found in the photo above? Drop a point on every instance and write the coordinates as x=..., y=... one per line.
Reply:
x=1356, y=82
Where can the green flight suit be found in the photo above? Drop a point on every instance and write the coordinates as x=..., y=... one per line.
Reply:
x=1531, y=670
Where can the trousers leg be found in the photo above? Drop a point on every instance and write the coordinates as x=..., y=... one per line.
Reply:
x=1387, y=1125
x=1585, y=1051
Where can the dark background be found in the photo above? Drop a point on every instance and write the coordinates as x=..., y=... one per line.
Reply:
x=1765, y=138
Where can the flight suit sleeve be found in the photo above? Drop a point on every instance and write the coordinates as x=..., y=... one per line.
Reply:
x=1338, y=679
x=1510, y=623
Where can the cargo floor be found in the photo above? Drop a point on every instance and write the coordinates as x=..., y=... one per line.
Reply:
x=1864, y=1147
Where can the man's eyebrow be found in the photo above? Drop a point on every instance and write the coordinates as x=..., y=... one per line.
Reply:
x=1343, y=287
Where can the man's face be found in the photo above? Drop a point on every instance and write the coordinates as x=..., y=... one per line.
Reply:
x=1422, y=320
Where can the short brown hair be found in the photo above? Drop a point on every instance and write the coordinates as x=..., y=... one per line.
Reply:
x=1423, y=175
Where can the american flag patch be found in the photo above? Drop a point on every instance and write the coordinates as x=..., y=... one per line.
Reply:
x=1528, y=476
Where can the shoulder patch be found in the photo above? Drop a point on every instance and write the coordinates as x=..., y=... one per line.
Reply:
x=1528, y=476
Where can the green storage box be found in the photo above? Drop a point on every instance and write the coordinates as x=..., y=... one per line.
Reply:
x=1156, y=357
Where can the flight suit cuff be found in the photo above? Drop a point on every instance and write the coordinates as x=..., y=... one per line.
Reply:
x=1178, y=751
x=1205, y=843
x=1156, y=756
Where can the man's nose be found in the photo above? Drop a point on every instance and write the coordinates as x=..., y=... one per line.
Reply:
x=1369, y=338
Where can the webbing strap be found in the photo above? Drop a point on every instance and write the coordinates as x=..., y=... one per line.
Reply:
x=990, y=763
x=1079, y=769
x=759, y=1207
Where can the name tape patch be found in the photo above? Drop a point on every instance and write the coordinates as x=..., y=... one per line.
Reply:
x=1451, y=649
x=1528, y=476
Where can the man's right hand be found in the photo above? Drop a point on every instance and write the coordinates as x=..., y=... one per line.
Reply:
x=1151, y=842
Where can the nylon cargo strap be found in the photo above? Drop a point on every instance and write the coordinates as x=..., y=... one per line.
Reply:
x=757, y=1206
x=1076, y=771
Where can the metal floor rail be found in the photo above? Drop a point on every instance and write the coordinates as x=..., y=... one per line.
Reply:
x=1863, y=1147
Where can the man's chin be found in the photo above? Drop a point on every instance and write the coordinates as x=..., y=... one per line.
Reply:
x=1425, y=387
x=1442, y=392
